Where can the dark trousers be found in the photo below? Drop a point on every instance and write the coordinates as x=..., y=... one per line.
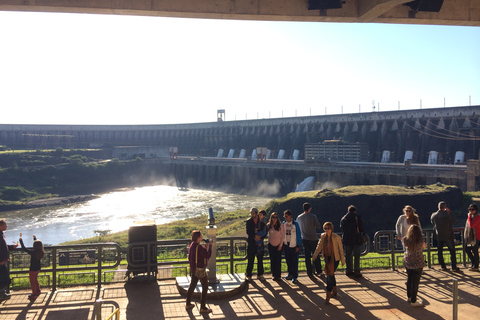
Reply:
x=291, y=258
x=275, y=260
x=413, y=281
x=251, y=254
x=352, y=252
x=4, y=278
x=331, y=281
x=309, y=247
x=193, y=285
x=472, y=253
x=451, y=247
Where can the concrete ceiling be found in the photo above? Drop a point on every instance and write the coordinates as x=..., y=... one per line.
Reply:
x=452, y=12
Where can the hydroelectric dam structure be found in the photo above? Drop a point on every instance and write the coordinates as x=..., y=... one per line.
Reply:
x=407, y=147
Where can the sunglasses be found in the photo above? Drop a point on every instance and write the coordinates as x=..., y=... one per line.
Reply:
x=471, y=209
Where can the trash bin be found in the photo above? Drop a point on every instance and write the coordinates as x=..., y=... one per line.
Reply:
x=139, y=233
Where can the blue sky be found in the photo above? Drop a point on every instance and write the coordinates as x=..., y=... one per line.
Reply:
x=98, y=69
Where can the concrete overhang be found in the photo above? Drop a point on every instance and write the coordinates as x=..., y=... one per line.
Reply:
x=452, y=12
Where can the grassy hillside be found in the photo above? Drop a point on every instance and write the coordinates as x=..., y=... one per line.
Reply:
x=228, y=224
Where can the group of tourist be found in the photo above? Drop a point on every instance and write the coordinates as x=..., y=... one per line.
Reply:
x=409, y=230
x=36, y=255
x=288, y=237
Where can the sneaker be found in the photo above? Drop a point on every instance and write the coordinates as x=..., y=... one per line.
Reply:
x=289, y=277
x=205, y=310
x=455, y=269
x=409, y=300
x=444, y=269
x=416, y=304
x=189, y=306
x=5, y=296
x=261, y=278
x=294, y=280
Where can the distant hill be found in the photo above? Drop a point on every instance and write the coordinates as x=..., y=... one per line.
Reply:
x=379, y=205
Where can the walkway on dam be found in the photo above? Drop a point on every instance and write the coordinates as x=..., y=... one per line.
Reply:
x=380, y=294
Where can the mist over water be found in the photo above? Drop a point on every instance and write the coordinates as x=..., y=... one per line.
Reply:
x=116, y=211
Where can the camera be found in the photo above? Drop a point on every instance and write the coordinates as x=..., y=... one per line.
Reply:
x=206, y=240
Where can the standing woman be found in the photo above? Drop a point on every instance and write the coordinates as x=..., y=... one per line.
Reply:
x=275, y=244
x=414, y=262
x=198, y=256
x=332, y=250
x=471, y=248
x=404, y=222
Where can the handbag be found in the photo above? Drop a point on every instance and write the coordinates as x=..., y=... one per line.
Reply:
x=361, y=237
x=199, y=272
x=469, y=236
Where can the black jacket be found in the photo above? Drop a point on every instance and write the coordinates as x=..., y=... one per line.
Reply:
x=348, y=224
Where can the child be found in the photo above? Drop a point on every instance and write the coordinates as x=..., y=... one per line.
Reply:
x=35, y=256
x=414, y=262
x=262, y=232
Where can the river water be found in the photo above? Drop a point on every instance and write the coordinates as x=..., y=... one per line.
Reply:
x=117, y=210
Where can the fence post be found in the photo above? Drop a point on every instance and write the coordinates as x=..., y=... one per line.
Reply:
x=100, y=254
x=98, y=309
x=54, y=270
x=392, y=242
x=232, y=252
x=455, y=299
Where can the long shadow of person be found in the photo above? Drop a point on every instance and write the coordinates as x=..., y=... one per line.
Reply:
x=143, y=300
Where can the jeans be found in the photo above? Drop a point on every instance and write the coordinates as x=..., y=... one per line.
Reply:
x=350, y=253
x=451, y=247
x=472, y=253
x=331, y=282
x=193, y=285
x=251, y=254
x=309, y=246
x=291, y=258
x=275, y=260
x=413, y=281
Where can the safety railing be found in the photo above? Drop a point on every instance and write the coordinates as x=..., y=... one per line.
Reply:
x=386, y=242
x=173, y=255
x=64, y=261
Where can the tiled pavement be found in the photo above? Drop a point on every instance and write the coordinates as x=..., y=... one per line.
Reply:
x=380, y=294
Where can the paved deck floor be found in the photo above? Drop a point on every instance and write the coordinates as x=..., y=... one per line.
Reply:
x=380, y=294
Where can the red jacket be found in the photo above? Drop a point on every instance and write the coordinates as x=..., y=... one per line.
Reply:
x=475, y=224
x=203, y=256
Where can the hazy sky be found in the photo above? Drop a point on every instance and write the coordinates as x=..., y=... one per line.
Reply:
x=99, y=69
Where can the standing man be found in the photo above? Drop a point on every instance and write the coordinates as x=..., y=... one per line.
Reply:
x=291, y=245
x=352, y=226
x=443, y=221
x=309, y=224
x=254, y=228
x=4, y=258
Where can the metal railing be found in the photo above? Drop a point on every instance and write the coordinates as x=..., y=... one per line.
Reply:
x=64, y=260
x=171, y=257
x=229, y=251
x=386, y=242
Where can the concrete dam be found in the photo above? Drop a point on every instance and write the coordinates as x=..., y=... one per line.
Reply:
x=409, y=147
